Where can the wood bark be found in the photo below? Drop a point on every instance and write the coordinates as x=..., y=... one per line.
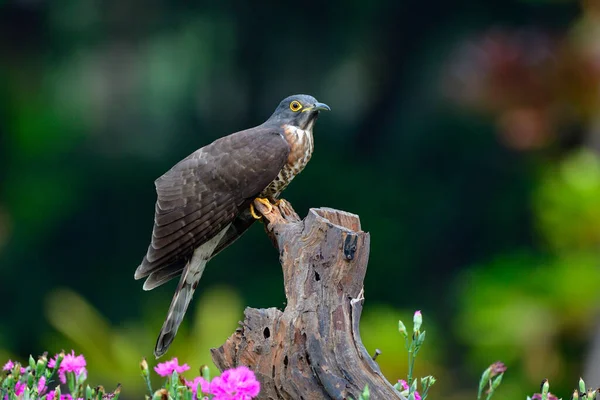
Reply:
x=312, y=349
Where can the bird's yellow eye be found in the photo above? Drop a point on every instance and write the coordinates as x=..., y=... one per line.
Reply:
x=295, y=106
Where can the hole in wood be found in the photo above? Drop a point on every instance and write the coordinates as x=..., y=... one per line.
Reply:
x=317, y=276
x=285, y=361
x=267, y=333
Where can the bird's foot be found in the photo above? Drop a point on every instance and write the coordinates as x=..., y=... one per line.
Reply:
x=263, y=201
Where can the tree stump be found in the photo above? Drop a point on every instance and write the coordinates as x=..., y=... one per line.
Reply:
x=311, y=350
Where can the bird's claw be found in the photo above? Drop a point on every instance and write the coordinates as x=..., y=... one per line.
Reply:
x=263, y=201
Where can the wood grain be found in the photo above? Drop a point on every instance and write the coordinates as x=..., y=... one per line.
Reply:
x=312, y=349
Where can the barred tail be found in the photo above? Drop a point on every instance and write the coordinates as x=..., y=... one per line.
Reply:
x=181, y=300
x=188, y=282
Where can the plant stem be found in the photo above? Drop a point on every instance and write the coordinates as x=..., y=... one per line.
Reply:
x=411, y=363
x=149, y=384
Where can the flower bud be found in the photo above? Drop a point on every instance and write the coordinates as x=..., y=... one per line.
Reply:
x=581, y=385
x=402, y=329
x=205, y=372
x=497, y=368
x=9, y=381
x=144, y=368
x=100, y=390
x=59, y=359
x=545, y=388
x=16, y=371
x=161, y=394
x=417, y=321
x=41, y=366
x=117, y=392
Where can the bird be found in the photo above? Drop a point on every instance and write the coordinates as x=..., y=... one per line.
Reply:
x=205, y=201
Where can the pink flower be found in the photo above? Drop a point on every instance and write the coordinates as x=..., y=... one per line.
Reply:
x=204, y=386
x=20, y=388
x=497, y=368
x=235, y=384
x=167, y=368
x=405, y=388
x=8, y=366
x=41, y=385
x=50, y=396
x=538, y=396
x=72, y=363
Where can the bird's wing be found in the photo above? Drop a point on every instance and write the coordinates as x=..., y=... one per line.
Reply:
x=204, y=193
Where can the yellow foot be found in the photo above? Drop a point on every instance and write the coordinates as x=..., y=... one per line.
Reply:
x=253, y=213
x=266, y=202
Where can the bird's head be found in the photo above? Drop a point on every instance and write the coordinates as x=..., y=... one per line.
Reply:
x=300, y=110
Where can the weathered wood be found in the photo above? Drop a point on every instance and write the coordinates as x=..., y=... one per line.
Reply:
x=313, y=349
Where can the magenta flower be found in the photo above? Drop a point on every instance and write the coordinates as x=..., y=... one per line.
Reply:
x=71, y=363
x=204, y=386
x=235, y=384
x=8, y=366
x=405, y=388
x=538, y=396
x=50, y=396
x=20, y=388
x=41, y=385
x=404, y=384
x=167, y=368
x=497, y=368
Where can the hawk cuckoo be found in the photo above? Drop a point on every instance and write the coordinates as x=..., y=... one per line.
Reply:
x=205, y=201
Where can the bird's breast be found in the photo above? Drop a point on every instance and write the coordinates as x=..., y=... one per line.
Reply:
x=301, y=148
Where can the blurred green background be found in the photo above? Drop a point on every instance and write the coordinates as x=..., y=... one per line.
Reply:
x=465, y=134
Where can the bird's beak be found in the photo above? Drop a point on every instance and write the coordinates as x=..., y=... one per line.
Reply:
x=321, y=107
x=317, y=107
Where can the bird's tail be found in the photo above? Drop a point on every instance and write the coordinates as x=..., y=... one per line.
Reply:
x=181, y=299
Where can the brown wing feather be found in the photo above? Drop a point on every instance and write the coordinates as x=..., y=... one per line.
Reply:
x=238, y=227
x=205, y=192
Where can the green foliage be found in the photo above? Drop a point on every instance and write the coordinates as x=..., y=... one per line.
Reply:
x=413, y=343
x=566, y=203
x=520, y=306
